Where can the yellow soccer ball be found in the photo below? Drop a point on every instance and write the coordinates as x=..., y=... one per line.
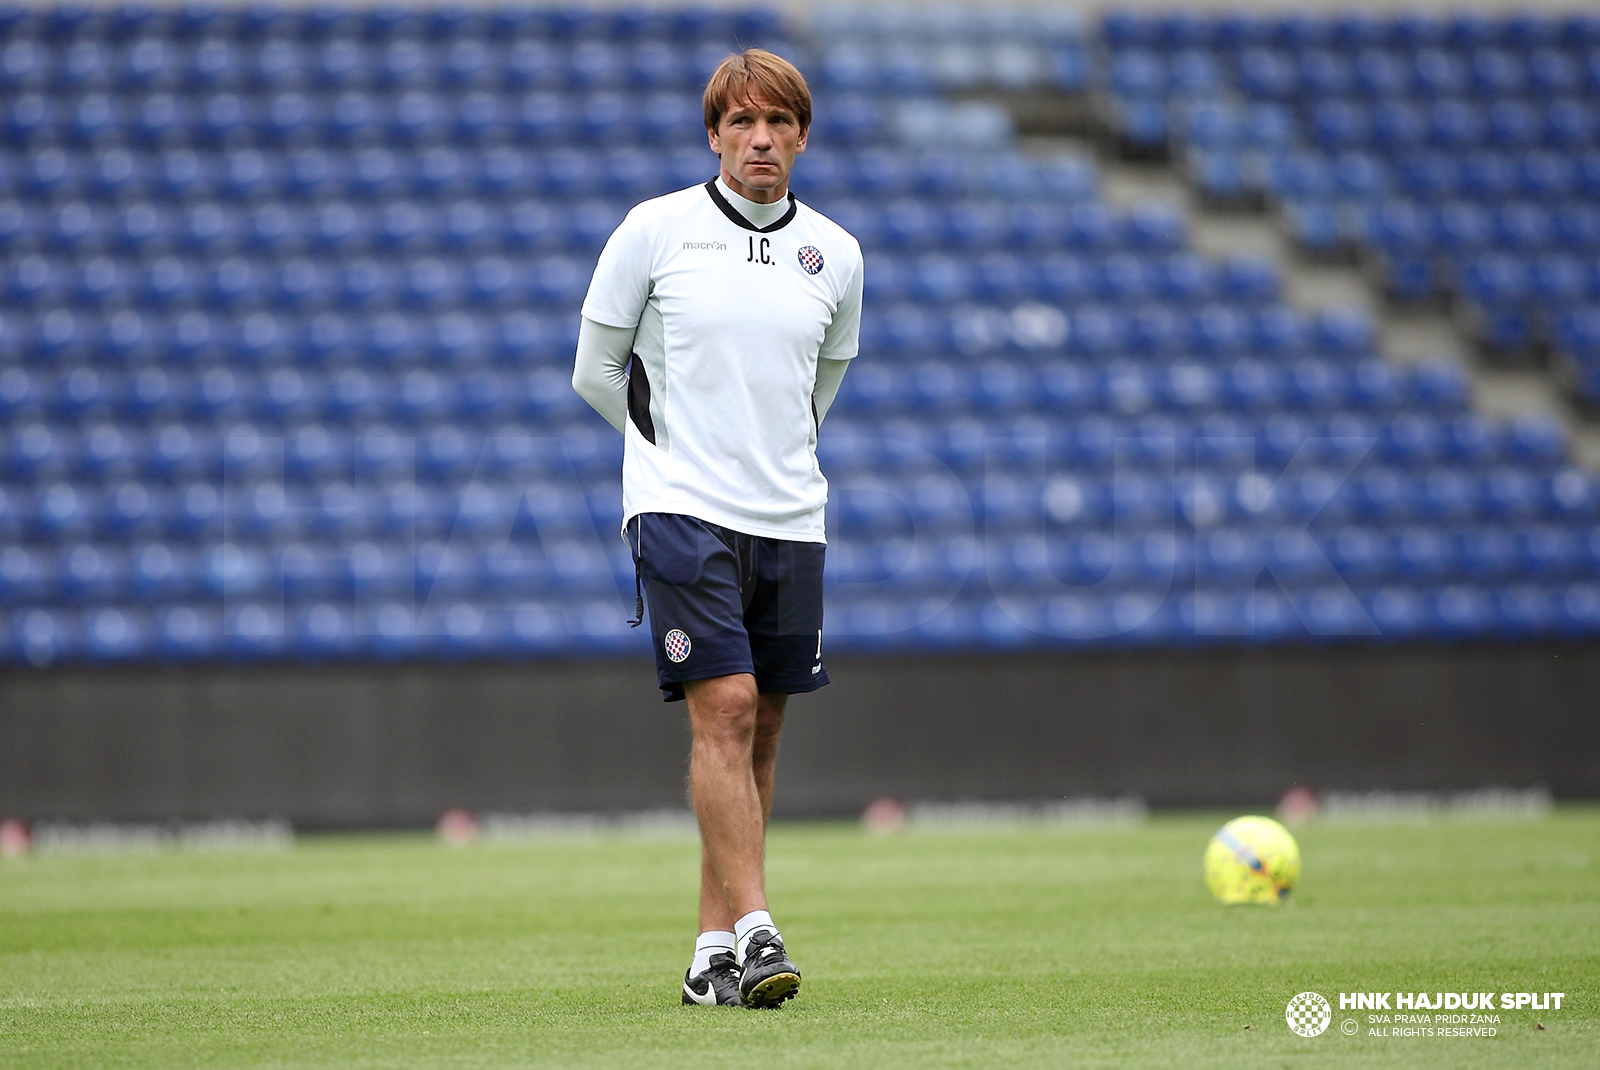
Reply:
x=1252, y=860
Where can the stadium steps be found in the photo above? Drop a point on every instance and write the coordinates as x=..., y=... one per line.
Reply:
x=1406, y=335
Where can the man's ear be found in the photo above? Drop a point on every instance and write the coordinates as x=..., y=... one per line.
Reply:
x=800, y=146
x=714, y=141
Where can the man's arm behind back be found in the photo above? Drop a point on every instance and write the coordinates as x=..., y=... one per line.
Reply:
x=600, y=371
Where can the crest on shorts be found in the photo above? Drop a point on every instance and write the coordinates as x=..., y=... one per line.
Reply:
x=677, y=645
x=810, y=259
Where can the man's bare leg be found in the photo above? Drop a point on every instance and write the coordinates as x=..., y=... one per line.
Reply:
x=770, y=708
x=724, y=760
x=715, y=912
x=722, y=783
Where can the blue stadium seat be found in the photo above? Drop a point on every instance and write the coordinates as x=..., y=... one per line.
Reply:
x=1410, y=441
x=1525, y=610
x=1512, y=126
x=1154, y=226
x=1267, y=74
x=17, y=225
x=1373, y=385
x=1142, y=124
x=264, y=512
x=45, y=636
x=1545, y=177
x=1157, y=331
x=20, y=394
x=1398, y=126
x=26, y=575
x=160, y=573
x=253, y=631
x=1274, y=332
x=1550, y=552
x=1471, y=440
x=305, y=572
x=323, y=631
x=1440, y=385
x=1462, y=229
x=106, y=452
x=1380, y=73
x=1124, y=278
x=1211, y=124
x=1510, y=494
x=1399, y=612
x=1488, y=176
x=39, y=452
x=1138, y=74
x=1253, y=386
x=1494, y=280
x=87, y=574
x=1360, y=556
x=1572, y=495
x=1195, y=72
x=1570, y=125
x=1579, y=610
x=1498, y=73
x=1438, y=73
x=1521, y=227
x=1337, y=125
x=1536, y=441
x=1298, y=176
x=24, y=64
x=31, y=119
x=1293, y=557
x=1577, y=227
x=1485, y=554
x=1428, y=175
x=1423, y=555
x=1324, y=74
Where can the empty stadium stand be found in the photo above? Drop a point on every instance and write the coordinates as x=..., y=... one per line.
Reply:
x=1456, y=153
x=289, y=300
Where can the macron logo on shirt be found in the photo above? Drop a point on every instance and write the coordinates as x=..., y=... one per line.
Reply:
x=713, y=246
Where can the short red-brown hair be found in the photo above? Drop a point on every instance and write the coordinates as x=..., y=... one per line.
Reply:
x=757, y=72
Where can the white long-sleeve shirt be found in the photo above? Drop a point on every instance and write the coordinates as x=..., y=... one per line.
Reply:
x=715, y=334
x=600, y=373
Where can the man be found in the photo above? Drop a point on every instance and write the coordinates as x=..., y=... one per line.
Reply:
x=717, y=328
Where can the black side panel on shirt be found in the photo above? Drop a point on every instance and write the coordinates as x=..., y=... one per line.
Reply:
x=639, y=399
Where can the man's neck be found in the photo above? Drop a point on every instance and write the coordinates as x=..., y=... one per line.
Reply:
x=761, y=213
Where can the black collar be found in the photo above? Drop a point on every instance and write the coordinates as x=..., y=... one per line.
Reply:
x=733, y=213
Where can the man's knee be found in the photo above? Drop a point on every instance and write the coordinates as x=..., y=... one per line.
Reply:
x=723, y=708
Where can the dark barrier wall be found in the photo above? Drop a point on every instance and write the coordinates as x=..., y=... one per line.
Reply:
x=353, y=746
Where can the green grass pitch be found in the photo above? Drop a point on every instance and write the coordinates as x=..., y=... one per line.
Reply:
x=1031, y=947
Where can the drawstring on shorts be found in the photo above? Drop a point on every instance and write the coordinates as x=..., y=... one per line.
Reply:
x=638, y=585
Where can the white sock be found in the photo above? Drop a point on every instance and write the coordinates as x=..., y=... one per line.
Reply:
x=748, y=925
x=717, y=941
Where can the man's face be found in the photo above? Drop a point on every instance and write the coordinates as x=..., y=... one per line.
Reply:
x=758, y=141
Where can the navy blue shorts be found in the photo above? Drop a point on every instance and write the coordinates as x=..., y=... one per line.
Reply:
x=723, y=602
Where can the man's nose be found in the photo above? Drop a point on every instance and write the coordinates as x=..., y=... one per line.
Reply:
x=763, y=136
